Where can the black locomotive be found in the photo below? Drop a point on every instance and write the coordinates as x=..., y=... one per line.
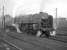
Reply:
x=35, y=24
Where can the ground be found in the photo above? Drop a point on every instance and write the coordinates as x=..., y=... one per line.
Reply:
x=27, y=42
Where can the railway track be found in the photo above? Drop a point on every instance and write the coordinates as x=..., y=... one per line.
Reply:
x=52, y=38
x=5, y=45
x=36, y=42
x=29, y=45
x=20, y=41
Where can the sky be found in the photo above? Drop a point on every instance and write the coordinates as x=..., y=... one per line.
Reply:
x=18, y=7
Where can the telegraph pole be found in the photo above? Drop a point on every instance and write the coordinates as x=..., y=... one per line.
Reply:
x=3, y=18
x=3, y=21
x=56, y=18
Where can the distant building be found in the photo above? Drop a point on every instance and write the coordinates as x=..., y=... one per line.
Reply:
x=8, y=19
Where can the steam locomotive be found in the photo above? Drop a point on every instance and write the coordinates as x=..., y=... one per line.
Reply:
x=38, y=24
